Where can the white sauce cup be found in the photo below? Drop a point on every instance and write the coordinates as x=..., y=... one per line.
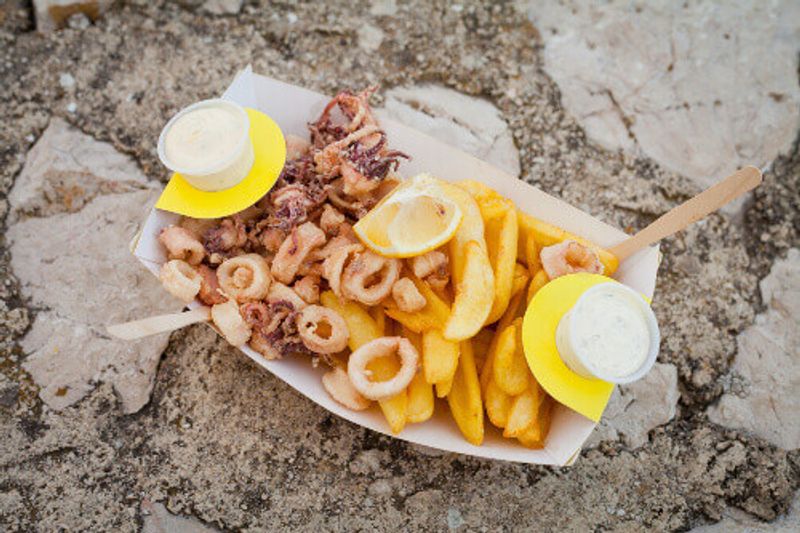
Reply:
x=581, y=363
x=221, y=174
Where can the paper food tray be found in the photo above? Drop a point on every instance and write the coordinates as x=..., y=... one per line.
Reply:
x=292, y=108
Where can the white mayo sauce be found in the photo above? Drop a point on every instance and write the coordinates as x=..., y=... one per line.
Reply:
x=204, y=138
x=610, y=331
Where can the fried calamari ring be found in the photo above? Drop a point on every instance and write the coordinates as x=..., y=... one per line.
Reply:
x=182, y=244
x=281, y=294
x=294, y=249
x=307, y=288
x=381, y=347
x=569, y=257
x=333, y=266
x=369, y=278
x=244, y=277
x=180, y=279
x=210, y=292
x=339, y=387
x=322, y=330
x=230, y=323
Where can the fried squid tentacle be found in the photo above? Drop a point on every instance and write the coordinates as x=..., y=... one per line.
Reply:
x=295, y=249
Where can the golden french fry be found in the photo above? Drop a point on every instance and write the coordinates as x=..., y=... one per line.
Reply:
x=510, y=369
x=433, y=316
x=535, y=434
x=491, y=203
x=464, y=398
x=363, y=329
x=470, y=229
x=521, y=278
x=481, y=343
x=522, y=414
x=420, y=399
x=498, y=404
x=443, y=388
x=394, y=409
x=532, y=250
x=379, y=317
x=439, y=357
x=501, y=241
x=537, y=282
x=547, y=234
x=474, y=293
x=362, y=326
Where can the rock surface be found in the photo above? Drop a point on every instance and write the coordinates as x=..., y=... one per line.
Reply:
x=735, y=521
x=637, y=408
x=701, y=88
x=222, y=440
x=472, y=124
x=763, y=392
x=54, y=14
x=158, y=520
x=75, y=279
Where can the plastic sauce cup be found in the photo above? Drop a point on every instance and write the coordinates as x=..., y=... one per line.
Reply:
x=581, y=362
x=231, y=166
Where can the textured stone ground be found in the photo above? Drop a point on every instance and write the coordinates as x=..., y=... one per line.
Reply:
x=707, y=438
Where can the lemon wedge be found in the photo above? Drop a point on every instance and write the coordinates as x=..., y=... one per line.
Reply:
x=415, y=218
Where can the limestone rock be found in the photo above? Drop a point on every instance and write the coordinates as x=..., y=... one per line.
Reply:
x=637, y=408
x=54, y=14
x=737, y=521
x=158, y=520
x=223, y=7
x=65, y=169
x=471, y=124
x=369, y=37
x=766, y=372
x=688, y=84
x=75, y=268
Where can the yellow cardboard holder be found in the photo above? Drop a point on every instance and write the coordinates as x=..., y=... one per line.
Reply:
x=269, y=149
x=585, y=396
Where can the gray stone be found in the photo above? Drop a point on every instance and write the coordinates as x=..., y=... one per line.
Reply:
x=369, y=37
x=764, y=396
x=702, y=88
x=471, y=124
x=74, y=266
x=65, y=169
x=737, y=521
x=639, y=407
x=158, y=520
x=383, y=7
x=223, y=7
x=54, y=14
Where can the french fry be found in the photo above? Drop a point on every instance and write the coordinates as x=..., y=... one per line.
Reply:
x=443, y=388
x=361, y=325
x=521, y=278
x=474, y=293
x=509, y=367
x=471, y=271
x=524, y=409
x=433, y=316
x=363, y=329
x=420, y=399
x=439, y=357
x=537, y=282
x=501, y=241
x=491, y=203
x=464, y=398
x=379, y=317
x=498, y=404
x=514, y=306
x=535, y=434
x=532, y=250
x=481, y=343
x=547, y=234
